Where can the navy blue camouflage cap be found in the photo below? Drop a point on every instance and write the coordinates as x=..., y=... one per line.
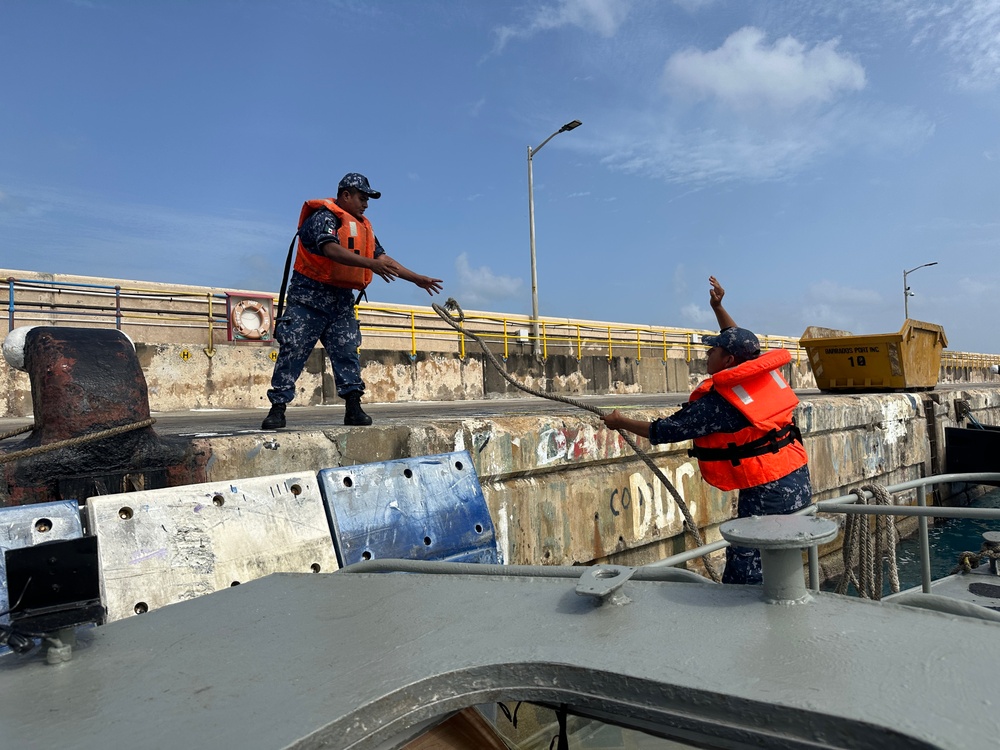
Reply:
x=359, y=182
x=739, y=342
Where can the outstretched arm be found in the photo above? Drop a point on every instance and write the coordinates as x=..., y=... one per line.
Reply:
x=433, y=286
x=715, y=295
x=382, y=265
x=616, y=421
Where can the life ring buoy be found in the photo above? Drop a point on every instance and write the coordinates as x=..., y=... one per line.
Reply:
x=256, y=332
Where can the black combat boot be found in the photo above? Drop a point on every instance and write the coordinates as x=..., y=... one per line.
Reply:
x=354, y=415
x=275, y=418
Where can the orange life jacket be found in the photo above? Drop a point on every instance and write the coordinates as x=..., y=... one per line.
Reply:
x=767, y=450
x=354, y=234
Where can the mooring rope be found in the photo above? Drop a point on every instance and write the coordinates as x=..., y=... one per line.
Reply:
x=864, y=551
x=969, y=560
x=689, y=523
x=18, y=431
x=110, y=432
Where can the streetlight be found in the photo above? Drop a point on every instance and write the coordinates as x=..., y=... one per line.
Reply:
x=906, y=290
x=535, y=337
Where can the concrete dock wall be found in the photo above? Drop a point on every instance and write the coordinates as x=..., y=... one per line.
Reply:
x=408, y=354
x=567, y=491
x=181, y=377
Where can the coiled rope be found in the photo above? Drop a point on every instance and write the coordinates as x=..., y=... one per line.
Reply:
x=6, y=458
x=689, y=524
x=864, y=552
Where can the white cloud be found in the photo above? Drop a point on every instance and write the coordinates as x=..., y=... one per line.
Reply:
x=746, y=73
x=601, y=17
x=662, y=145
x=779, y=109
x=969, y=287
x=968, y=31
x=480, y=286
x=698, y=316
x=477, y=107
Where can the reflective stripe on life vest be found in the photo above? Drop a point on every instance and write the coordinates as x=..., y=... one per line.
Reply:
x=758, y=391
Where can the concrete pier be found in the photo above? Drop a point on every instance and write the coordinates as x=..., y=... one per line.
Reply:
x=561, y=489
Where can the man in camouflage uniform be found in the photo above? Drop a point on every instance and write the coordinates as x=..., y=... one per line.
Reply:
x=712, y=414
x=316, y=311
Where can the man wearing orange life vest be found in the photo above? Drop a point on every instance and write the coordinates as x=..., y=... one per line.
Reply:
x=338, y=254
x=740, y=419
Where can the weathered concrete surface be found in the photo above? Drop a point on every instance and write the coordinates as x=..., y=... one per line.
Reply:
x=562, y=489
x=184, y=376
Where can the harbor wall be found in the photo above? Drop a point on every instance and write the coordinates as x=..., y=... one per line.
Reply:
x=180, y=377
x=408, y=354
x=565, y=490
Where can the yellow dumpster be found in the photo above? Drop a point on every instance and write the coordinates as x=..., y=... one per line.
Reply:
x=909, y=360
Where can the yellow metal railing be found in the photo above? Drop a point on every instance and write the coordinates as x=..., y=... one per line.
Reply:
x=172, y=315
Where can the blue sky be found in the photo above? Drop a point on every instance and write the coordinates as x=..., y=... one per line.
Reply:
x=806, y=153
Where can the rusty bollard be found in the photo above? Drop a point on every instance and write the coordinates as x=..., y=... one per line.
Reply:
x=87, y=383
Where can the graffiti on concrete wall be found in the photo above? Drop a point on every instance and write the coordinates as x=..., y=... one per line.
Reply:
x=650, y=505
x=555, y=443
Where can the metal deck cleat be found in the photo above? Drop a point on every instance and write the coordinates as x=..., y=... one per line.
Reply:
x=780, y=540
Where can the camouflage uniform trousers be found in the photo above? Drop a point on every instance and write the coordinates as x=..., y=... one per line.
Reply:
x=316, y=312
x=781, y=497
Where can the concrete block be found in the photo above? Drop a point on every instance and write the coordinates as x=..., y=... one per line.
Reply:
x=523, y=368
x=472, y=370
x=564, y=375
x=597, y=371
x=388, y=376
x=16, y=389
x=163, y=546
x=623, y=374
x=437, y=378
x=180, y=376
x=677, y=375
x=652, y=375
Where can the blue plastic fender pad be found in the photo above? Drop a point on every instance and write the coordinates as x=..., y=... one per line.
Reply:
x=425, y=508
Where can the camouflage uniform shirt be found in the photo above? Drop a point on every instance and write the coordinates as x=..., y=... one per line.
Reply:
x=317, y=312
x=710, y=414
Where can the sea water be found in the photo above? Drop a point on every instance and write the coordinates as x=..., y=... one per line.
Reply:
x=948, y=539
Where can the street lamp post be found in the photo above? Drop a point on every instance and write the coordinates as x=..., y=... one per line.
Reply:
x=535, y=337
x=906, y=290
